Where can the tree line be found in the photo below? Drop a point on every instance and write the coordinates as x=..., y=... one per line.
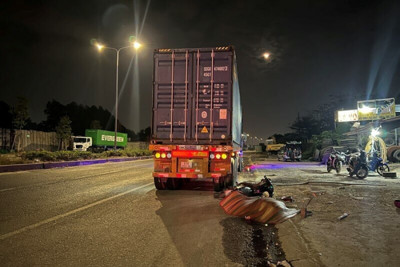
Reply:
x=315, y=127
x=64, y=119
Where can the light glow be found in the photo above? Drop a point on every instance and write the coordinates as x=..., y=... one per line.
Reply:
x=158, y=155
x=365, y=109
x=266, y=55
x=99, y=47
x=224, y=156
x=375, y=132
x=136, y=45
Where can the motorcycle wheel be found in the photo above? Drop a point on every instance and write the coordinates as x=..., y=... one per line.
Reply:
x=328, y=168
x=362, y=173
x=338, y=166
x=383, y=168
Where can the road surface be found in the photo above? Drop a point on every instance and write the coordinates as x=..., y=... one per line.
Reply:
x=111, y=215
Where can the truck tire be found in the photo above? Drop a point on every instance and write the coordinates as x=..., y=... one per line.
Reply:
x=396, y=155
x=174, y=183
x=158, y=184
x=218, y=184
x=228, y=181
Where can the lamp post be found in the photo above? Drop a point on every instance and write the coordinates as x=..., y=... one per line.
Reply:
x=136, y=45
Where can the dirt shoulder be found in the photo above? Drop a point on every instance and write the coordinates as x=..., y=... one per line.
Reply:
x=369, y=236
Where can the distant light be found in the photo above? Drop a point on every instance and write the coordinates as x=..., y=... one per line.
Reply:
x=266, y=55
x=375, y=132
x=99, y=46
x=136, y=45
x=365, y=109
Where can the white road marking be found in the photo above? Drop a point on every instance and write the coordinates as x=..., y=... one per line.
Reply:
x=52, y=219
x=7, y=189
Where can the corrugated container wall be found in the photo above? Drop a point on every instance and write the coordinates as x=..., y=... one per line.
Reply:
x=196, y=98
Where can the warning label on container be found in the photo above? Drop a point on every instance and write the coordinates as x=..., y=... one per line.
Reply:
x=204, y=130
x=222, y=114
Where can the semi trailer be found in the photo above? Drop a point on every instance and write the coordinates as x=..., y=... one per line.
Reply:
x=196, y=117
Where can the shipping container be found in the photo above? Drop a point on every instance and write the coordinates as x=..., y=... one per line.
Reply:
x=197, y=116
x=101, y=138
x=196, y=97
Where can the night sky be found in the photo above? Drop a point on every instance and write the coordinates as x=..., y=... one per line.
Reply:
x=318, y=49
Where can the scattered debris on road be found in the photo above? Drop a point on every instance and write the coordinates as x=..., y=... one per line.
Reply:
x=287, y=199
x=283, y=264
x=304, y=212
x=389, y=174
x=258, y=209
x=356, y=198
x=344, y=215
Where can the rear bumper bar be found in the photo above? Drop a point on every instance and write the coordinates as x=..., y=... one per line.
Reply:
x=188, y=175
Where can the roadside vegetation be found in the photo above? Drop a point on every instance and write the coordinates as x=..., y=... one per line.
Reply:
x=47, y=156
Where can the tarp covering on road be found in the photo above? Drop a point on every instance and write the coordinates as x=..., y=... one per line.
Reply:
x=258, y=209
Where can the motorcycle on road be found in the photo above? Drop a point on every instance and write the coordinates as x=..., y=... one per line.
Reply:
x=335, y=161
x=358, y=165
x=376, y=164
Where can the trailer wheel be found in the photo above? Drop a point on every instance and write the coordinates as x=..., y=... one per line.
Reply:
x=174, y=183
x=158, y=184
x=218, y=184
x=228, y=181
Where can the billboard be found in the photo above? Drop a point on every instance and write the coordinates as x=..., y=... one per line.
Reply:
x=376, y=109
x=346, y=115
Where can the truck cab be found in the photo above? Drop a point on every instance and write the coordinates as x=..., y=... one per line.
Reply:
x=81, y=143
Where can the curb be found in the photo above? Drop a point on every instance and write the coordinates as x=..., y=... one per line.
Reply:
x=50, y=165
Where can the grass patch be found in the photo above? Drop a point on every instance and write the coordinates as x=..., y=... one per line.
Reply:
x=76, y=155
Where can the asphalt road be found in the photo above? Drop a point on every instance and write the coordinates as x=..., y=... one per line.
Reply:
x=111, y=215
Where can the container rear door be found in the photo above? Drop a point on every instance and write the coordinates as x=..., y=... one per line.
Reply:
x=173, y=81
x=212, y=94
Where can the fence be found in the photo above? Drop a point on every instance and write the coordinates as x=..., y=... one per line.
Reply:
x=137, y=145
x=26, y=140
x=5, y=137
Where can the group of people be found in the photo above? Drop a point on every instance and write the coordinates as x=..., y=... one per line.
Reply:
x=293, y=154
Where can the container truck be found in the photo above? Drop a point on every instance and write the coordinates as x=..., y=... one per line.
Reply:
x=196, y=117
x=99, y=140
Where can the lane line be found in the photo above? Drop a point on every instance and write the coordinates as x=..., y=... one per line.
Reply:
x=52, y=219
x=73, y=179
x=7, y=189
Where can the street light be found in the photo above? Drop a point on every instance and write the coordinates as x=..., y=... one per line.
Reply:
x=266, y=55
x=136, y=45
